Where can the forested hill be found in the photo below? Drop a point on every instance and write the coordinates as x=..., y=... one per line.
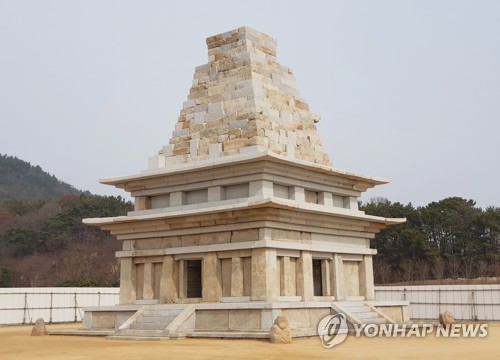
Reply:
x=21, y=180
x=43, y=241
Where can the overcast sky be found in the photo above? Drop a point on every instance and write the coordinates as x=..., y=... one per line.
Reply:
x=407, y=90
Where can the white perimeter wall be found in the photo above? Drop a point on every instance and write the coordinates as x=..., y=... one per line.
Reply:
x=465, y=302
x=25, y=305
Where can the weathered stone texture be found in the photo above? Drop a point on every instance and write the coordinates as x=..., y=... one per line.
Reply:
x=280, y=332
x=39, y=329
x=446, y=318
x=240, y=99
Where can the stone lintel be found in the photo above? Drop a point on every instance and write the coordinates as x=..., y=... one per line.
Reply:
x=328, y=249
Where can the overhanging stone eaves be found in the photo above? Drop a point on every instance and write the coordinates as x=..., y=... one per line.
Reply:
x=131, y=234
x=273, y=202
x=131, y=182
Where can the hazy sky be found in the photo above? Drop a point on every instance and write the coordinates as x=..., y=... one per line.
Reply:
x=407, y=90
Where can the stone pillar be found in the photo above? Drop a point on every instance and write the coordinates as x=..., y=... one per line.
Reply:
x=168, y=283
x=182, y=279
x=264, y=284
x=325, y=198
x=325, y=277
x=127, y=281
x=287, y=278
x=215, y=193
x=305, y=285
x=177, y=198
x=247, y=276
x=148, y=289
x=339, y=282
x=297, y=193
x=351, y=202
x=142, y=203
x=366, y=282
x=261, y=189
x=211, y=278
x=331, y=269
x=236, y=277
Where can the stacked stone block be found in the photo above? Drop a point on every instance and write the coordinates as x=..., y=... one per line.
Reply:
x=243, y=101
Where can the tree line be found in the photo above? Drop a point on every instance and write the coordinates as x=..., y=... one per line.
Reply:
x=45, y=243
x=451, y=238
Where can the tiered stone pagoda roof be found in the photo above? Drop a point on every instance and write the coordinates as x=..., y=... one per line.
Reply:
x=243, y=101
x=244, y=122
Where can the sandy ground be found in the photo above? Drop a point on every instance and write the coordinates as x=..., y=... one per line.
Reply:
x=16, y=343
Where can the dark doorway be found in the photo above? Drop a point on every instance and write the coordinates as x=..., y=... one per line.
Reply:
x=193, y=269
x=317, y=278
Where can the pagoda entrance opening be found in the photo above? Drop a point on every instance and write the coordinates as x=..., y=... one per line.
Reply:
x=193, y=269
x=317, y=278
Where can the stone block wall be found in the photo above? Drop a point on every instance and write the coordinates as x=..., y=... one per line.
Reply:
x=243, y=101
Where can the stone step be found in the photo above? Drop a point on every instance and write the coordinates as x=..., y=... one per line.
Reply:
x=141, y=333
x=357, y=309
x=155, y=319
x=377, y=320
x=362, y=312
x=168, y=306
x=366, y=315
x=148, y=326
x=228, y=334
x=351, y=303
x=372, y=321
x=125, y=337
x=159, y=312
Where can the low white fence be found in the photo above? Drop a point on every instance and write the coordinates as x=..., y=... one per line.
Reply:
x=465, y=302
x=54, y=305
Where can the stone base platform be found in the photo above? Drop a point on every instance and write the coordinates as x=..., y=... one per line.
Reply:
x=223, y=320
x=81, y=332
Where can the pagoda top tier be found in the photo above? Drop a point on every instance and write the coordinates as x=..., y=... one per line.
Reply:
x=241, y=102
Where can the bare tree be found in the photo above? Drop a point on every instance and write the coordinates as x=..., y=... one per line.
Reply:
x=482, y=269
x=468, y=268
x=438, y=268
x=382, y=271
x=453, y=267
x=496, y=269
x=408, y=271
x=422, y=270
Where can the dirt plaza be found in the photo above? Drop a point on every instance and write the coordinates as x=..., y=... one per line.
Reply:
x=16, y=343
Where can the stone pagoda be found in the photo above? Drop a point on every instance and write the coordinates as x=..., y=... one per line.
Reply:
x=241, y=217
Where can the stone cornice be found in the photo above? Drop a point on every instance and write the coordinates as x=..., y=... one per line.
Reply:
x=323, y=248
x=273, y=202
x=363, y=182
